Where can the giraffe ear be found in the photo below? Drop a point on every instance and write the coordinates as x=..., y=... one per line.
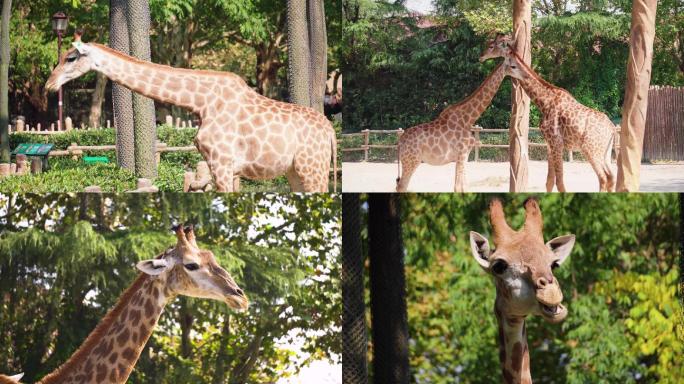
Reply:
x=80, y=47
x=479, y=245
x=153, y=267
x=561, y=246
x=16, y=377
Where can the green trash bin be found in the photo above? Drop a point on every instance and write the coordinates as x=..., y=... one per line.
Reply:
x=95, y=159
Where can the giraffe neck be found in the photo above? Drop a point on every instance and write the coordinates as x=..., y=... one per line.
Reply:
x=186, y=88
x=542, y=93
x=472, y=107
x=112, y=349
x=513, y=351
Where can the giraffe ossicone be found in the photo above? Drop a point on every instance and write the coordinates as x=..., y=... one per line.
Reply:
x=10, y=379
x=449, y=137
x=109, y=353
x=242, y=133
x=566, y=124
x=522, y=267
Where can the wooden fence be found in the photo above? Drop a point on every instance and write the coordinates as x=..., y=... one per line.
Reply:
x=664, y=134
x=477, y=130
x=75, y=151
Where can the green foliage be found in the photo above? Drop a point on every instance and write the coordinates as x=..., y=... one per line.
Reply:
x=619, y=286
x=65, y=259
x=399, y=74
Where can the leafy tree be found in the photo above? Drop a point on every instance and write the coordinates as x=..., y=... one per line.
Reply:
x=4, y=80
x=65, y=259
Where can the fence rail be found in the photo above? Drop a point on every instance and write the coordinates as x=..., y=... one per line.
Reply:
x=477, y=130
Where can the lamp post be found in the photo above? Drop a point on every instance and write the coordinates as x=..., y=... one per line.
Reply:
x=60, y=21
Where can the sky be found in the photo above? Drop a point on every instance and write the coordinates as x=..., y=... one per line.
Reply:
x=422, y=6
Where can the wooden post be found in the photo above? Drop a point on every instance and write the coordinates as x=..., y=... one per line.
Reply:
x=5, y=169
x=366, y=134
x=21, y=164
x=188, y=178
x=68, y=124
x=109, y=124
x=477, y=130
x=570, y=156
x=20, y=125
x=520, y=103
x=36, y=165
x=169, y=120
x=635, y=106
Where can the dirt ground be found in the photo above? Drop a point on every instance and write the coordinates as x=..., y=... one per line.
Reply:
x=493, y=177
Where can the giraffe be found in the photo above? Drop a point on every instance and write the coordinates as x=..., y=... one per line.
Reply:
x=10, y=379
x=565, y=124
x=449, y=138
x=242, y=133
x=522, y=266
x=110, y=352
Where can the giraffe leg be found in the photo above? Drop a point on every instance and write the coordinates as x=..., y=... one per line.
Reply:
x=408, y=166
x=461, y=160
x=550, y=174
x=236, y=183
x=557, y=160
x=222, y=172
x=600, y=172
x=294, y=181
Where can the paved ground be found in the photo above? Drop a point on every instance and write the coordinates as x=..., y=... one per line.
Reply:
x=493, y=177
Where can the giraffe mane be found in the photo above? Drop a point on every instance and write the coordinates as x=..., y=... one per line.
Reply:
x=152, y=65
x=100, y=331
x=472, y=94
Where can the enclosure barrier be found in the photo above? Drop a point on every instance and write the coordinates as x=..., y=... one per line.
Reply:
x=476, y=130
x=75, y=151
x=664, y=133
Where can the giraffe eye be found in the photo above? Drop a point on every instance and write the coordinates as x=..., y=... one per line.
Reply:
x=555, y=265
x=499, y=267
x=71, y=59
x=191, y=266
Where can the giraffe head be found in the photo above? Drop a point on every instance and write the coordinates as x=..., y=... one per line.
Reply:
x=73, y=64
x=522, y=264
x=499, y=47
x=10, y=379
x=512, y=68
x=191, y=271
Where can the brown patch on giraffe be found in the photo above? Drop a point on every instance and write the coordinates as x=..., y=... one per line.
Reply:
x=101, y=372
x=123, y=337
x=128, y=354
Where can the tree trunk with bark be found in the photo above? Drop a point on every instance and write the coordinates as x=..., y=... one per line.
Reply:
x=634, y=109
x=145, y=135
x=318, y=54
x=520, y=103
x=298, y=52
x=4, y=80
x=354, y=339
x=97, y=100
x=122, y=99
x=388, y=290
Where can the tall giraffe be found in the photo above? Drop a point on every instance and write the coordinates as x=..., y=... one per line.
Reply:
x=449, y=138
x=110, y=352
x=566, y=124
x=242, y=133
x=522, y=267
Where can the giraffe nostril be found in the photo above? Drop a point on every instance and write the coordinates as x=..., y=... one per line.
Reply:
x=543, y=282
x=239, y=292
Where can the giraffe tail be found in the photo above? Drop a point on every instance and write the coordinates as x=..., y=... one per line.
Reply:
x=333, y=143
x=398, y=161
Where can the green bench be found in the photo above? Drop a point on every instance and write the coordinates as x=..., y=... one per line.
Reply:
x=34, y=150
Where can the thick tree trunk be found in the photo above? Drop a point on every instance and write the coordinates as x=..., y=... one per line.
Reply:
x=138, y=13
x=354, y=339
x=635, y=106
x=219, y=376
x=388, y=290
x=4, y=81
x=96, y=101
x=520, y=103
x=267, y=65
x=298, y=52
x=122, y=99
x=318, y=54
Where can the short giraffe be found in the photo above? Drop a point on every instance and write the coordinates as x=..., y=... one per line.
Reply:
x=449, y=138
x=242, y=133
x=566, y=124
x=522, y=266
x=110, y=352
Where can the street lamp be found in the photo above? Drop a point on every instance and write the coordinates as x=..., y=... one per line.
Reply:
x=60, y=21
